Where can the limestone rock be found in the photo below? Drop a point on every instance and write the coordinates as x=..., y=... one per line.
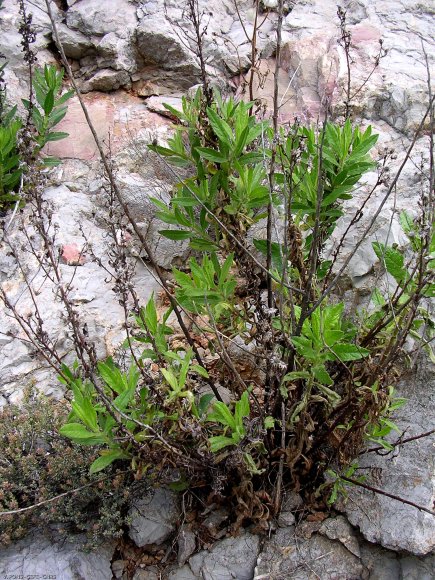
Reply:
x=37, y=555
x=153, y=518
x=289, y=556
x=156, y=104
x=339, y=529
x=232, y=558
x=186, y=544
x=106, y=80
x=408, y=473
x=75, y=44
x=93, y=18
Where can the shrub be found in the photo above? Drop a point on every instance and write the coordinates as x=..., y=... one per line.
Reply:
x=19, y=135
x=38, y=464
x=324, y=386
x=316, y=383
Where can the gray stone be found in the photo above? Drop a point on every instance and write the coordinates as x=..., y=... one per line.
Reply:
x=384, y=564
x=156, y=104
x=136, y=191
x=339, y=529
x=183, y=573
x=287, y=555
x=106, y=80
x=291, y=501
x=62, y=558
x=153, y=517
x=75, y=44
x=413, y=569
x=118, y=568
x=286, y=519
x=160, y=45
x=408, y=473
x=148, y=573
x=94, y=18
x=96, y=303
x=232, y=558
x=186, y=544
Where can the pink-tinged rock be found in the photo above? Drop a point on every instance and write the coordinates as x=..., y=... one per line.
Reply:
x=72, y=255
x=364, y=33
x=119, y=114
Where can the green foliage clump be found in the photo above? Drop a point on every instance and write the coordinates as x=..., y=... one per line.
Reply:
x=322, y=386
x=43, y=116
x=37, y=464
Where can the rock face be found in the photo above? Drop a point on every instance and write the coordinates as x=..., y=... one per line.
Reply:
x=232, y=558
x=407, y=473
x=334, y=550
x=129, y=56
x=36, y=556
x=153, y=518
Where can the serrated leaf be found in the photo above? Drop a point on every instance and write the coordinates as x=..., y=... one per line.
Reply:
x=322, y=375
x=348, y=352
x=394, y=261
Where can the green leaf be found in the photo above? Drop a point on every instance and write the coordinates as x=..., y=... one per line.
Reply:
x=251, y=158
x=78, y=433
x=62, y=99
x=171, y=379
x=51, y=161
x=220, y=442
x=200, y=370
x=269, y=422
x=56, y=136
x=394, y=261
x=176, y=234
x=112, y=375
x=86, y=412
x=276, y=250
x=242, y=406
x=251, y=465
x=220, y=127
x=221, y=414
x=407, y=222
x=49, y=102
x=203, y=245
x=106, y=459
x=348, y=352
x=377, y=298
x=151, y=318
x=322, y=375
x=295, y=375
x=204, y=403
x=121, y=402
x=211, y=155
